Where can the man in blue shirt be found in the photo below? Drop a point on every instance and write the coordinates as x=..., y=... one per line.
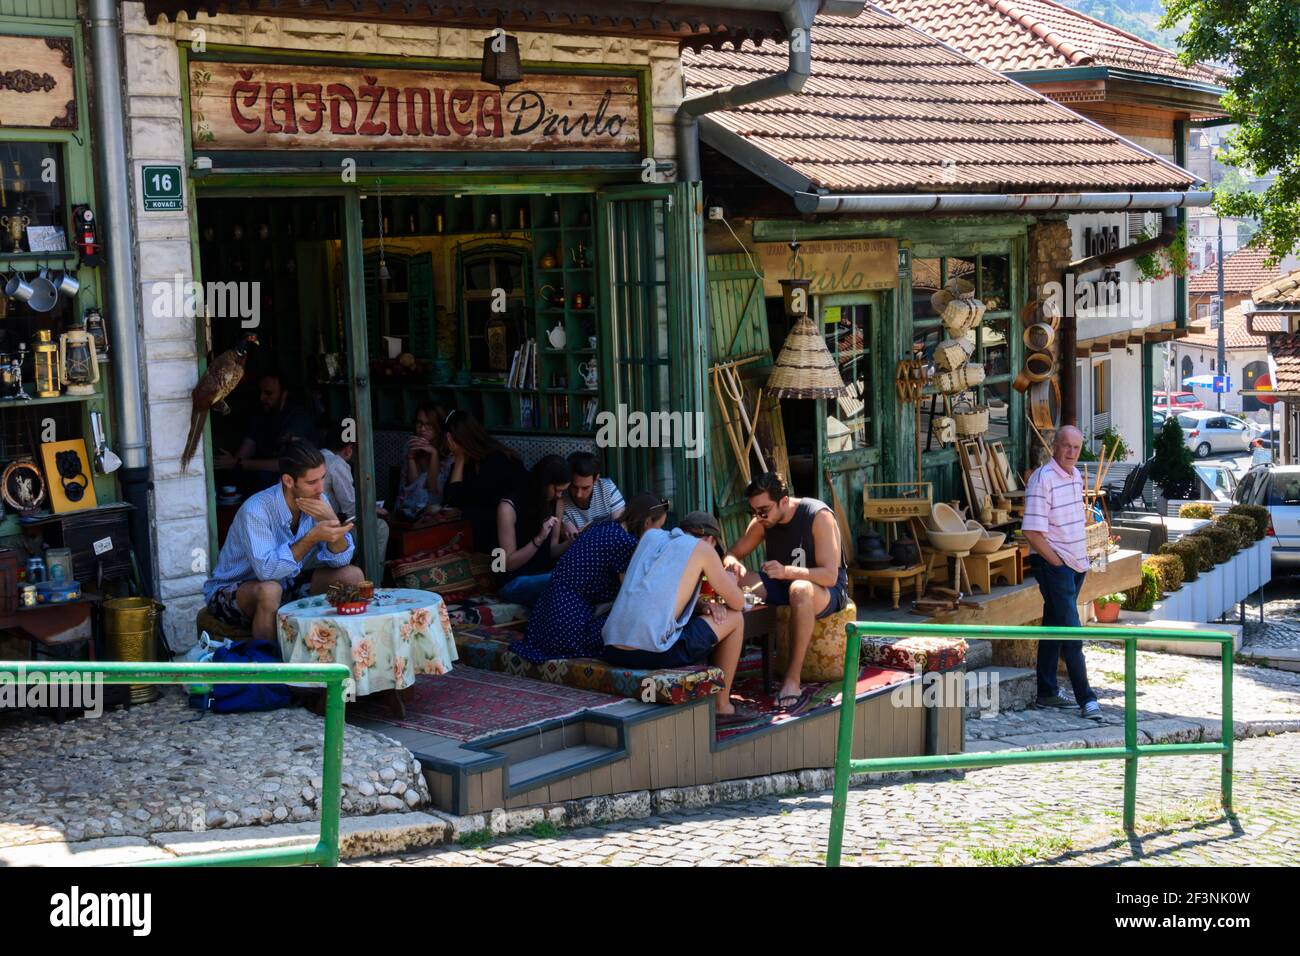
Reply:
x=274, y=533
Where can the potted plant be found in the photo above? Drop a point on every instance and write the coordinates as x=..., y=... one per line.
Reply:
x=346, y=599
x=1106, y=608
x=1172, y=469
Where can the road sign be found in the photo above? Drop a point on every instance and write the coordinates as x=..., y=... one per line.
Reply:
x=1265, y=383
x=1222, y=384
x=162, y=188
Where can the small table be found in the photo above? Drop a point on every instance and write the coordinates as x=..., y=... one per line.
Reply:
x=894, y=577
x=983, y=569
x=404, y=632
x=760, y=628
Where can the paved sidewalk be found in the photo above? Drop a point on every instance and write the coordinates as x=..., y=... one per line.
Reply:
x=1052, y=813
x=1281, y=627
x=1176, y=694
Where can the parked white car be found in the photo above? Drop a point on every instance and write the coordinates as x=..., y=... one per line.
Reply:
x=1208, y=432
x=1277, y=488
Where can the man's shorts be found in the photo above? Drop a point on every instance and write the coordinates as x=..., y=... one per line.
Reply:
x=225, y=608
x=778, y=595
x=693, y=646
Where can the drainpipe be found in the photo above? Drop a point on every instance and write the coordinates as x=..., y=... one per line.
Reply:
x=875, y=204
x=795, y=15
x=123, y=325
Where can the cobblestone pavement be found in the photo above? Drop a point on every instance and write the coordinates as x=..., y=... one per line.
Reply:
x=1044, y=814
x=1281, y=627
x=156, y=767
x=1170, y=688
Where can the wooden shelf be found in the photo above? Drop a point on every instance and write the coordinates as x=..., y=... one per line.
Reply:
x=61, y=400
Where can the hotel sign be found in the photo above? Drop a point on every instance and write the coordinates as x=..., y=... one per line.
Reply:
x=833, y=266
x=259, y=106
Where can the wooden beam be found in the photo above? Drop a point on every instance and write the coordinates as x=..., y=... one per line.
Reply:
x=1162, y=336
x=1180, y=333
x=1099, y=348
x=1081, y=352
x=1118, y=344
x=1136, y=338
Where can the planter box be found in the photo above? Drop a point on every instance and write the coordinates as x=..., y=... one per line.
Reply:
x=1191, y=648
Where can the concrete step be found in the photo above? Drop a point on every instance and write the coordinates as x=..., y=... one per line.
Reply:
x=978, y=654
x=1000, y=689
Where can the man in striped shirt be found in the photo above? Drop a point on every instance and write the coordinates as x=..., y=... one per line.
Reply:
x=590, y=497
x=1054, y=527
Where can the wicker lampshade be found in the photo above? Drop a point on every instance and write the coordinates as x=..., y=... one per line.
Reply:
x=805, y=367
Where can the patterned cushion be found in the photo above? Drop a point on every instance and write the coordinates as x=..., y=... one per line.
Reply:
x=488, y=648
x=450, y=573
x=825, y=658
x=472, y=610
x=914, y=653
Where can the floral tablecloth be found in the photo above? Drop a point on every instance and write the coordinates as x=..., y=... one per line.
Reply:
x=403, y=633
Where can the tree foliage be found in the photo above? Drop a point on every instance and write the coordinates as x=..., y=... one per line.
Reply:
x=1257, y=40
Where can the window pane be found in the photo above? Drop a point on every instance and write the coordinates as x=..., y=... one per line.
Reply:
x=926, y=281
x=848, y=418
x=963, y=269
x=996, y=350
x=995, y=282
x=478, y=276
x=998, y=399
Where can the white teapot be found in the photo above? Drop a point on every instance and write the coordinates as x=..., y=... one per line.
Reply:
x=556, y=336
x=590, y=374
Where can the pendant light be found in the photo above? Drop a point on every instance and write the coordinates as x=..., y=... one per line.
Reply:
x=501, y=65
x=805, y=367
x=384, y=275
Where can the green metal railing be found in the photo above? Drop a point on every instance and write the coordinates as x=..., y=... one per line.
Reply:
x=845, y=765
x=326, y=850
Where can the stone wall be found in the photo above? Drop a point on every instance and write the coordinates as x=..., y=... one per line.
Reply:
x=163, y=250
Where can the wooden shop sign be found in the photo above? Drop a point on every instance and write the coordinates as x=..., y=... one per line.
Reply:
x=252, y=106
x=37, y=82
x=833, y=266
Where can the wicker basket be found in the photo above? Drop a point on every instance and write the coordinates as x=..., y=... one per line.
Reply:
x=958, y=380
x=962, y=315
x=971, y=421
x=1097, y=539
x=951, y=354
x=944, y=429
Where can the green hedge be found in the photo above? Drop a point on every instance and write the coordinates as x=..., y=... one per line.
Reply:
x=1187, y=552
x=1196, y=509
x=1256, y=513
x=1223, y=540
x=1168, y=569
x=1144, y=596
x=1241, y=525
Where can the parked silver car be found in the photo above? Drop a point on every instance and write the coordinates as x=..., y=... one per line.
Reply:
x=1208, y=432
x=1277, y=488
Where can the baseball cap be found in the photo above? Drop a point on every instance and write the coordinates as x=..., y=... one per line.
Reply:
x=701, y=522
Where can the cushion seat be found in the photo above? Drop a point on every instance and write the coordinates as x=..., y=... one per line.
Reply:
x=914, y=653
x=488, y=648
x=824, y=660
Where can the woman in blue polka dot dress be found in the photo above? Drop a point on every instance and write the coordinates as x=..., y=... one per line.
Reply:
x=564, y=622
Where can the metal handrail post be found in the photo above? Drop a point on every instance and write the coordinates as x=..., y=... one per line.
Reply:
x=844, y=746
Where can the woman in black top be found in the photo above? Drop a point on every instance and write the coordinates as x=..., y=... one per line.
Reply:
x=483, y=472
x=528, y=531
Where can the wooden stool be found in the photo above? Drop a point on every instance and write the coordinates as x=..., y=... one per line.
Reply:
x=983, y=569
x=894, y=577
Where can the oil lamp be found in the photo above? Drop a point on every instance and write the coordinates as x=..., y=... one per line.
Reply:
x=95, y=326
x=78, y=364
x=46, y=358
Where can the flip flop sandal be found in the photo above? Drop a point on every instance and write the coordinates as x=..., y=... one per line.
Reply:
x=779, y=702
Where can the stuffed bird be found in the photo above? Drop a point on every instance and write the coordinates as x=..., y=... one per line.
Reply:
x=223, y=374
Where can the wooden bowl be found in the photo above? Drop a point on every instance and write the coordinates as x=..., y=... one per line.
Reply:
x=989, y=542
x=954, y=541
x=944, y=518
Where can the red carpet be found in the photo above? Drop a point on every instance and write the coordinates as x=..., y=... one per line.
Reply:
x=747, y=694
x=468, y=703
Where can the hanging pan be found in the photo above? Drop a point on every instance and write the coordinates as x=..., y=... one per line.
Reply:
x=44, y=296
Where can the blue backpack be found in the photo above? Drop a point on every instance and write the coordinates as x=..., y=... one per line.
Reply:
x=233, y=698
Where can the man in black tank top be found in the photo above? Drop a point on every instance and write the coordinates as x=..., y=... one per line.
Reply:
x=804, y=568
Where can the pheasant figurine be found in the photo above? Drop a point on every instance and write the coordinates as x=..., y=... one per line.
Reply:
x=223, y=374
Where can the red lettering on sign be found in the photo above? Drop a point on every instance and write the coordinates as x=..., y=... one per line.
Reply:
x=465, y=99
x=373, y=95
x=285, y=106
x=250, y=91
x=339, y=93
x=425, y=125
x=394, y=105
x=317, y=107
x=489, y=108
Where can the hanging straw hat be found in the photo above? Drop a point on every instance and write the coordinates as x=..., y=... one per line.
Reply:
x=805, y=368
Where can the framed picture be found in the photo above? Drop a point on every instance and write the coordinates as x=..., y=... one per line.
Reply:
x=67, y=471
x=23, y=487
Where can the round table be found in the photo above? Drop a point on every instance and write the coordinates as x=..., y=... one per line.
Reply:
x=404, y=632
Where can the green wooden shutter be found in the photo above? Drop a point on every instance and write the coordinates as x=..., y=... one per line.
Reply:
x=419, y=306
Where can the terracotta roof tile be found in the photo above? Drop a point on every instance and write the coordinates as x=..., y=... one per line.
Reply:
x=1283, y=291
x=1243, y=271
x=1015, y=35
x=1286, y=353
x=888, y=108
x=1235, y=334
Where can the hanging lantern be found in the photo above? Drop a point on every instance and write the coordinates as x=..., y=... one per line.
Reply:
x=47, y=359
x=805, y=367
x=794, y=296
x=501, y=59
x=94, y=320
x=384, y=274
x=78, y=367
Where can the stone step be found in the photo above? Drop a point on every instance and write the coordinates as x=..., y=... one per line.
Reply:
x=1005, y=688
x=978, y=654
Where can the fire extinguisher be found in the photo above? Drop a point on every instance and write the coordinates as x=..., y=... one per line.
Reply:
x=83, y=225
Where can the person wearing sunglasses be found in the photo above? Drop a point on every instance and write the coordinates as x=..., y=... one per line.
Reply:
x=805, y=565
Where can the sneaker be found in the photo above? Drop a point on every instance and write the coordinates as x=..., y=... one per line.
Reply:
x=1092, y=710
x=1058, y=701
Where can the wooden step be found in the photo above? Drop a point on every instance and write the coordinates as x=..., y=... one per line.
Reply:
x=535, y=771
